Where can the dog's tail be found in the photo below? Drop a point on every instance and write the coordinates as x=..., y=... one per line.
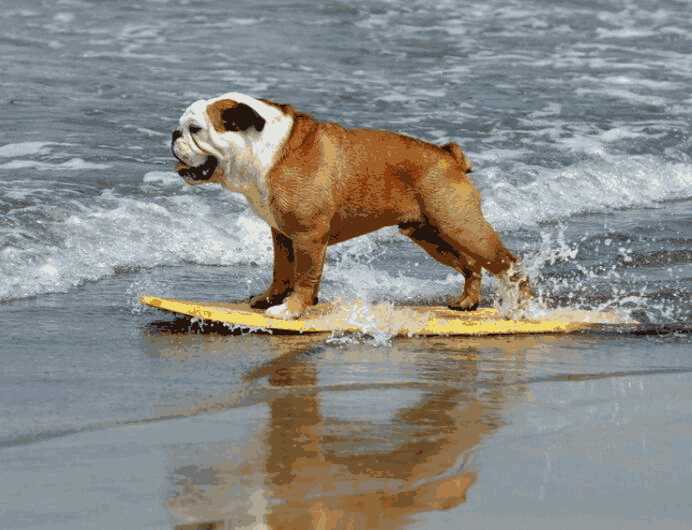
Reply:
x=459, y=155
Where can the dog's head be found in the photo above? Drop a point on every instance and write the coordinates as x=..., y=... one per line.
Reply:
x=228, y=137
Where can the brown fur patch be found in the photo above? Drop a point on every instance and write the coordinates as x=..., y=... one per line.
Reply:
x=229, y=115
x=215, y=112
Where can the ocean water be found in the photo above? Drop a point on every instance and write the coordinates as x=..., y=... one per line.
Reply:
x=577, y=118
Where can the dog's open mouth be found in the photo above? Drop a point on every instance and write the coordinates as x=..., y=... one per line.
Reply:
x=203, y=172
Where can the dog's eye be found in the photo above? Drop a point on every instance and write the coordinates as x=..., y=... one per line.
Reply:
x=194, y=130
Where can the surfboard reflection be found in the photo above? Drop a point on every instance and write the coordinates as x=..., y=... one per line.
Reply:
x=313, y=469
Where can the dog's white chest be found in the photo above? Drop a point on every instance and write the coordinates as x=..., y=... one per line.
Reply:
x=259, y=202
x=257, y=194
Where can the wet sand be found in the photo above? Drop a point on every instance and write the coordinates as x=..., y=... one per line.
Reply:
x=297, y=432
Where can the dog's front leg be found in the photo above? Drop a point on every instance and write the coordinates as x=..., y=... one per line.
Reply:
x=282, y=279
x=309, y=250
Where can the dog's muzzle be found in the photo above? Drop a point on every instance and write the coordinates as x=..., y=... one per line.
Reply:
x=200, y=172
x=177, y=134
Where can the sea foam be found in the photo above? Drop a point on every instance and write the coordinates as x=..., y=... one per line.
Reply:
x=24, y=149
x=595, y=185
x=54, y=241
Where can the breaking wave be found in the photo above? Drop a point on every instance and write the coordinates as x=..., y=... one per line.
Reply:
x=54, y=239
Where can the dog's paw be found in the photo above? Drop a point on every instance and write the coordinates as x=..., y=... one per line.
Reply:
x=266, y=300
x=282, y=311
x=468, y=303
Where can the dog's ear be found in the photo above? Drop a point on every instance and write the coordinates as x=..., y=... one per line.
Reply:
x=241, y=117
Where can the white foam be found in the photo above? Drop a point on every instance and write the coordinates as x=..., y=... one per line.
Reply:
x=589, y=144
x=622, y=133
x=171, y=224
x=498, y=154
x=64, y=18
x=393, y=97
x=624, y=33
x=240, y=21
x=82, y=241
x=74, y=164
x=599, y=143
x=150, y=132
x=551, y=109
x=601, y=184
x=166, y=178
x=624, y=94
x=628, y=80
x=24, y=149
x=353, y=281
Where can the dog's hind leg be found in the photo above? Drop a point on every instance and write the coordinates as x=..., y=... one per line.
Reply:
x=471, y=297
x=429, y=239
x=452, y=206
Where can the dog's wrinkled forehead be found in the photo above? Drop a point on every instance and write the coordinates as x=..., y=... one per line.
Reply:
x=232, y=112
x=195, y=115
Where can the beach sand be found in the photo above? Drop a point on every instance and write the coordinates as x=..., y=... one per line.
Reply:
x=255, y=431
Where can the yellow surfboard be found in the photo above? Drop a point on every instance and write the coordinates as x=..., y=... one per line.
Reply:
x=394, y=320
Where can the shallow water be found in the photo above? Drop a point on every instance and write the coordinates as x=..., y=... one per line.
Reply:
x=577, y=119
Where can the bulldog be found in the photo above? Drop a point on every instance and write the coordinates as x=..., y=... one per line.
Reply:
x=318, y=183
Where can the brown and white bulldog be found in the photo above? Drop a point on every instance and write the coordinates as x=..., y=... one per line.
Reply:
x=318, y=183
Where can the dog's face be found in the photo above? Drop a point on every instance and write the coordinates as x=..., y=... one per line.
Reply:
x=228, y=137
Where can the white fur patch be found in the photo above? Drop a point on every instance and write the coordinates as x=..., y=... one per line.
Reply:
x=281, y=311
x=246, y=157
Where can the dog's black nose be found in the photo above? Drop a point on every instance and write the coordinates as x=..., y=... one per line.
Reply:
x=177, y=133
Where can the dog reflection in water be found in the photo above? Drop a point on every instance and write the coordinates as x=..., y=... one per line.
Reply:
x=305, y=470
